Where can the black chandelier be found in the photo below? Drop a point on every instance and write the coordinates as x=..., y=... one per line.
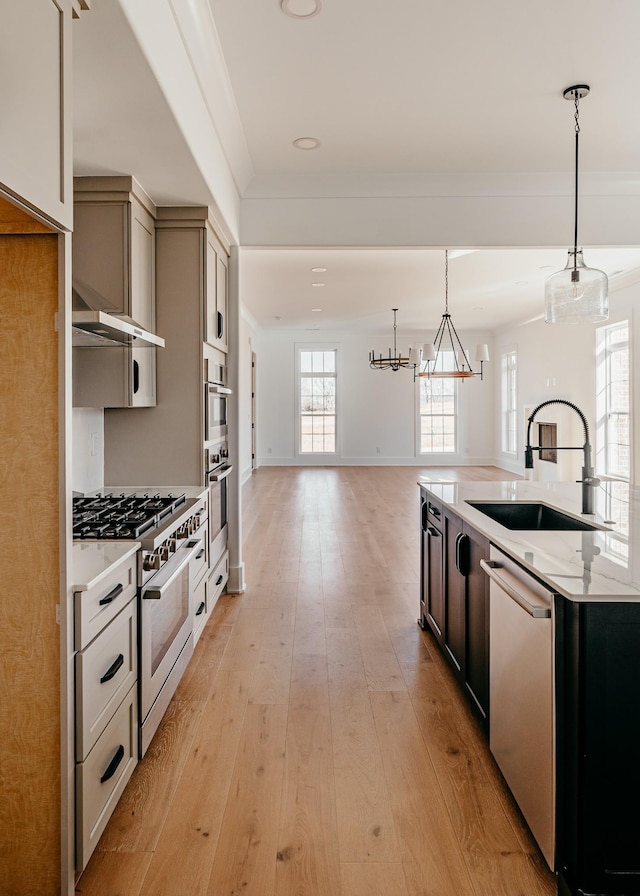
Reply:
x=394, y=361
x=433, y=352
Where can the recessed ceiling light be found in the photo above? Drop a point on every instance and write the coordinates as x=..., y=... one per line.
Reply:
x=316, y=309
x=301, y=9
x=318, y=270
x=306, y=143
x=318, y=284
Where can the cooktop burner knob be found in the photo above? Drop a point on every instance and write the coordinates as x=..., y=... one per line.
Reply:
x=151, y=561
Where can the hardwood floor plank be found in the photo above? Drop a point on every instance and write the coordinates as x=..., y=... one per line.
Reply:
x=307, y=856
x=428, y=843
x=273, y=674
x=367, y=879
x=366, y=829
x=380, y=661
x=248, y=841
x=185, y=852
x=114, y=874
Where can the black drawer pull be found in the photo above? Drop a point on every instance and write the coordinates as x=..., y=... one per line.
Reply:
x=220, y=578
x=434, y=510
x=111, y=595
x=111, y=671
x=113, y=765
x=200, y=554
x=433, y=532
x=200, y=609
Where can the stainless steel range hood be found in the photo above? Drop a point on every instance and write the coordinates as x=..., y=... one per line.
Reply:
x=95, y=324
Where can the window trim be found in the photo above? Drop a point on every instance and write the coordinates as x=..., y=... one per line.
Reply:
x=420, y=415
x=504, y=407
x=312, y=456
x=601, y=389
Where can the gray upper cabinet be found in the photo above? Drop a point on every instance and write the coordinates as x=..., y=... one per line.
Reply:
x=114, y=266
x=36, y=146
x=216, y=299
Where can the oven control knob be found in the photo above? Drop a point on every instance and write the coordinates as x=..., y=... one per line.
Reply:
x=215, y=458
x=183, y=531
x=224, y=452
x=151, y=561
x=196, y=522
x=163, y=551
x=171, y=544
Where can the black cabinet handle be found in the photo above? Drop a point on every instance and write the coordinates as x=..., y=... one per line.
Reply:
x=136, y=377
x=220, y=325
x=433, y=532
x=110, y=770
x=434, y=510
x=200, y=554
x=108, y=598
x=111, y=671
x=423, y=515
x=462, y=554
x=220, y=578
x=200, y=609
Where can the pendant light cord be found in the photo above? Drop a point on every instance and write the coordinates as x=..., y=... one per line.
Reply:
x=446, y=281
x=575, y=226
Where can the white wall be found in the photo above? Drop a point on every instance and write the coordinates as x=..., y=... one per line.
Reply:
x=88, y=450
x=559, y=361
x=377, y=410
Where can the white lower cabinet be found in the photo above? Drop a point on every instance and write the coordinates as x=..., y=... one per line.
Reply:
x=106, y=699
x=103, y=775
x=207, y=592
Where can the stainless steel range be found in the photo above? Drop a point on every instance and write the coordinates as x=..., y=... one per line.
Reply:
x=172, y=531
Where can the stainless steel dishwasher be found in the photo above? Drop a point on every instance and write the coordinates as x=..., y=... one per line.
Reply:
x=521, y=683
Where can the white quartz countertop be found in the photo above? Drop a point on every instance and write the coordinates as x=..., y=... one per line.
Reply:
x=93, y=560
x=582, y=566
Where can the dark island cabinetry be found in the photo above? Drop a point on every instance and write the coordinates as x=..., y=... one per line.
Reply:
x=597, y=743
x=454, y=602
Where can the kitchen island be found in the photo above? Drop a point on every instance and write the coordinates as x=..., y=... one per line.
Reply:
x=587, y=674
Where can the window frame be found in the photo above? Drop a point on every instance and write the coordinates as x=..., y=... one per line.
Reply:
x=604, y=352
x=301, y=347
x=426, y=381
x=506, y=410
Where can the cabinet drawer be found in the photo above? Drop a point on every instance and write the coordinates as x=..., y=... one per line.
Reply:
x=102, y=777
x=105, y=672
x=95, y=608
x=200, y=609
x=200, y=562
x=217, y=580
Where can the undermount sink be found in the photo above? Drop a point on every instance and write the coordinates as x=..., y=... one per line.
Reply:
x=531, y=515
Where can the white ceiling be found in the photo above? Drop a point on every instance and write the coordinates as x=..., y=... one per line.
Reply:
x=412, y=87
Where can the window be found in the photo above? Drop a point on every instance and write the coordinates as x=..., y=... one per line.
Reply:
x=613, y=438
x=438, y=412
x=509, y=402
x=317, y=417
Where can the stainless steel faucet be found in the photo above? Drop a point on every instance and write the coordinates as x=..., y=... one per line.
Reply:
x=589, y=481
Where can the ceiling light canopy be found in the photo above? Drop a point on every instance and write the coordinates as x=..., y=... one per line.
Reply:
x=306, y=143
x=301, y=9
x=445, y=356
x=394, y=361
x=577, y=293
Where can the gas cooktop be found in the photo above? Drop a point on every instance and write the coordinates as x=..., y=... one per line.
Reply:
x=121, y=516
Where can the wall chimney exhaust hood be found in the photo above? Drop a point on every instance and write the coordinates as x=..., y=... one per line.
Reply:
x=94, y=324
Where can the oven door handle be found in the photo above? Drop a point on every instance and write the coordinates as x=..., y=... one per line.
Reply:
x=218, y=475
x=165, y=577
x=215, y=389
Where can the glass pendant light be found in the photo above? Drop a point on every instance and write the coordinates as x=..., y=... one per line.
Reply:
x=577, y=293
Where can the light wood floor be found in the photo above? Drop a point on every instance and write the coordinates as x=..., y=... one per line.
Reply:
x=318, y=745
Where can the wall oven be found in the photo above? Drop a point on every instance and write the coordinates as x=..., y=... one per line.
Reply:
x=215, y=406
x=217, y=470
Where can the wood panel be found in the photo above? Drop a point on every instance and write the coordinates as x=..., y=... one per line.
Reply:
x=29, y=526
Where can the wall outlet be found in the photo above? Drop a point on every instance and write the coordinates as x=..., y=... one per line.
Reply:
x=268, y=450
x=377, y=450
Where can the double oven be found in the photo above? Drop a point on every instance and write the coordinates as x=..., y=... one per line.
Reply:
x=216, y=458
